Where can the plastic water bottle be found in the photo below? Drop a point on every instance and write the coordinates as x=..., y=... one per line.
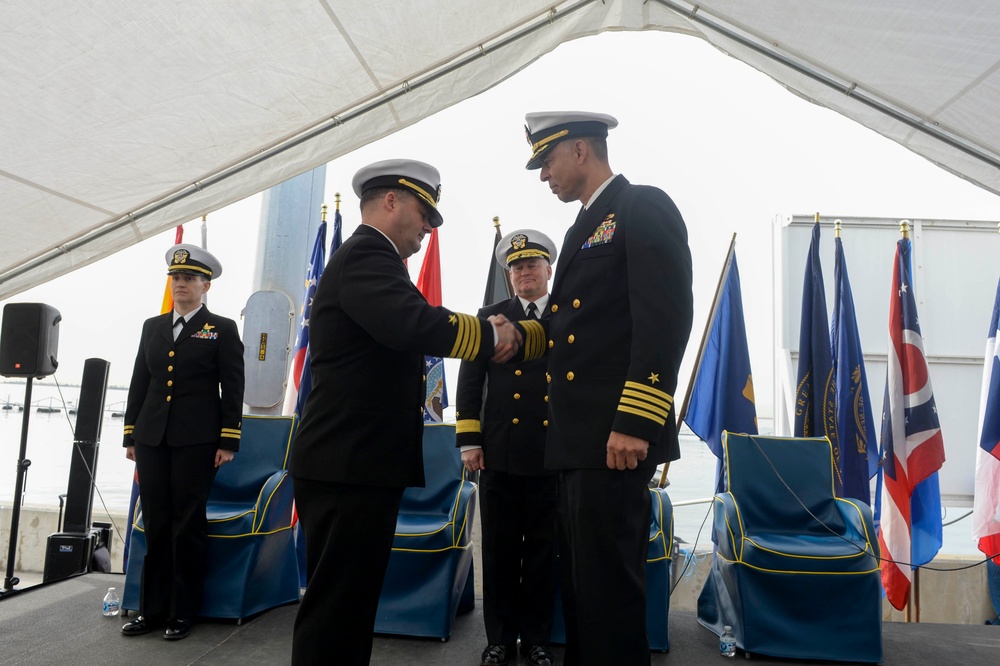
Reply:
x=727, y=642
x=112, y=604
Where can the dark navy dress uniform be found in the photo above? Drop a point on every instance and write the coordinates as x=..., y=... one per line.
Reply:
x=621, y=313
x=504, y=409
x=360, y=440
x=185, y=402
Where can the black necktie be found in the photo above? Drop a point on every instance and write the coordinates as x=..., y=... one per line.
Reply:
x=532, y=311
x=178, y=327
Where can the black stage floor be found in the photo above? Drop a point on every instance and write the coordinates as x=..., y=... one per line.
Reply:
x=61, y=623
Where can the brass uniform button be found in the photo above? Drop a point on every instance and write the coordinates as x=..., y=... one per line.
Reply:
x=546, y=398
x=571, y=339
x=170, y=354
x=170, y=368
x=570, y=375
x=548, y=378
x=517, y=373
x=545, y=423
x=515, y=421
x=168, y=398
x=517, y=396
x=576, y=302
x=170, y=382
x=552, y=344
x=555, y=308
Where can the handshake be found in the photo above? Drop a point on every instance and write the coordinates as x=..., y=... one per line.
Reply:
x=509, y=339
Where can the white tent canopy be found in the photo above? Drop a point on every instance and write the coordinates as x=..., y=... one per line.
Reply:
x=122, y=119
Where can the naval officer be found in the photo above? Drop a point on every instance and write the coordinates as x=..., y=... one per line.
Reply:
x=502, y=417
x=182, y=421
x=621, y=310
x=359, y=444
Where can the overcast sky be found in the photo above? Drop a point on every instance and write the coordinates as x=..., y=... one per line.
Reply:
x=732, y=148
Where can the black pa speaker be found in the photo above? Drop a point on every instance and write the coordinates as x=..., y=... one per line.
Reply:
x=83, y=465
x=29, y=338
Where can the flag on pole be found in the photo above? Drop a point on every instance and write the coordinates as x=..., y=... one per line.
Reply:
x=165, y=306
x=429, y=284
x=300, y=376
x=986, y=506
x=858, y=456
x=498, y=286
x=722, y=397
x=815, y=395
x=912, y=444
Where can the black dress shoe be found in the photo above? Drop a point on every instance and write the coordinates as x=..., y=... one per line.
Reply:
x=177, y=629
x=139, y=626
x=538, y=655
x=497, y=655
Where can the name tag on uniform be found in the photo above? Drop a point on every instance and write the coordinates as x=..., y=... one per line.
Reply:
x=604, y=233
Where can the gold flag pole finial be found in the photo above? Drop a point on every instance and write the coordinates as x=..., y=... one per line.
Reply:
x=816, y=217
x=336, y=200
x=496, y=221
x=904, y=228
x=322, y=213
x=837, y=224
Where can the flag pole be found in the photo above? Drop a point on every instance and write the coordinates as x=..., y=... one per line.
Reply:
x=701, y=347
x=913, y=606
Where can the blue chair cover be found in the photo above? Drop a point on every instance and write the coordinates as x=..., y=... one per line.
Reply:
x=659, y=559
x=430, y=577
x=251, y=561
x=796, y=572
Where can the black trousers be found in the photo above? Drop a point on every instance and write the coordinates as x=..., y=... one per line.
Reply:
x=604, y=528
x=174, y=482
x=520, y=532
x=349, y=531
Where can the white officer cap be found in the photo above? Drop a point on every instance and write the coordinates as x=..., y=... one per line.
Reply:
x=420, y=178
x=545, y=129
x=192, y=259
x=522, y=244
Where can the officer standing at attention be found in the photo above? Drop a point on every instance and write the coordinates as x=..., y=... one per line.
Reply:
x=502, y=416
x=182, y=421
x=360, y=441
x=621, y=310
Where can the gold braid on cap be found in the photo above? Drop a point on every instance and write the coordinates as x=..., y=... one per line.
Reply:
x=541, y=145
x=421, y=192
x=522, y=254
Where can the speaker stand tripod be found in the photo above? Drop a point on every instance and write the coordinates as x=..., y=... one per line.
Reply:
x=23, y=464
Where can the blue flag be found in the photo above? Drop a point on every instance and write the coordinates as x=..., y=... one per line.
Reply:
x=300, y=381
x=722, y=397
x=815, y=395
x=858, y=455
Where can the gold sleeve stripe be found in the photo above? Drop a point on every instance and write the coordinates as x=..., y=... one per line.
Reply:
x=643, y=413
x=129, y=429
x=467, y=425
x=640, y=404
x=468, y=338
x=534, y=341
x=230, y=435
x=231, y=430
x=638, y=395
x=656, y=393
